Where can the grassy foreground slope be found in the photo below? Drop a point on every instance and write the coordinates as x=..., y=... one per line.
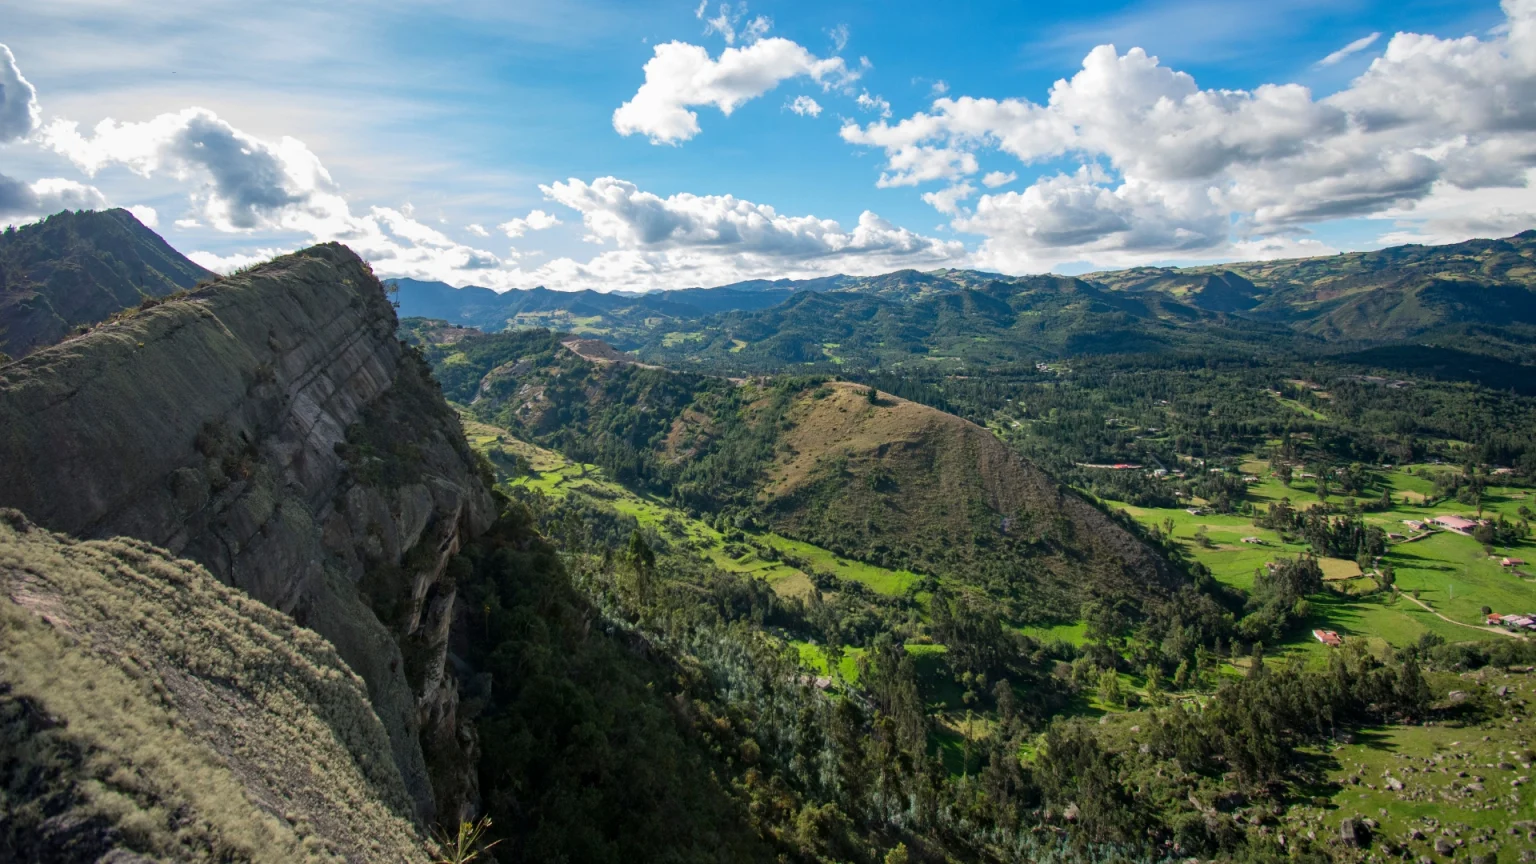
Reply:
x=146, y=708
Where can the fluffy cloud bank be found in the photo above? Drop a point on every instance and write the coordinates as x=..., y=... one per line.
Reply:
x=616, y=211
x=244, y=182
x=241, y=183
x=680, y=77
x=19, y=112
x=20, y=201
x=1171, y=169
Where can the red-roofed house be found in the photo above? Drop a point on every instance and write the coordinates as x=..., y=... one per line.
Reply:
x=1327, y=637
x=1459, y=524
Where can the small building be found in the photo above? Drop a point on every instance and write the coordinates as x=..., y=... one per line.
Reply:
x=1327, y=637
x=1414, y=524
x=1495, y=618
x=1459, y=524
x=1514, y=622
x=1256, y=541
x=1511, y=562
x=1391, y=536
x=1194, y=511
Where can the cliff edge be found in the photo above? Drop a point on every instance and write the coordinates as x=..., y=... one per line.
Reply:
x=271, y=428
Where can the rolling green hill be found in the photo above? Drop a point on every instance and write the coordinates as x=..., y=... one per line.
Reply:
x=886, y=481
x=78, y=268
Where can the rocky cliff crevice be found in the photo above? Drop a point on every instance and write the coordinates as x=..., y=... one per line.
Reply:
x=272, y=428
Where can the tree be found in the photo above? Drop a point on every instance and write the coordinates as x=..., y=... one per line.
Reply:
x=642, y=566
x=1109, y=687
x=897, y=855
x=1413, y=693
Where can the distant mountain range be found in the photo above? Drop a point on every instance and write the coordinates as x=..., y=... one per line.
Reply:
x=1475, y=300
x=1474, y=296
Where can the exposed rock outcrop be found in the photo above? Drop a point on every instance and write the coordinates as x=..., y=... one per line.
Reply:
x=272, y=428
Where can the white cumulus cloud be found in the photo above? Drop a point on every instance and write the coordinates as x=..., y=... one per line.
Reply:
x=994, y=179
x=681, y=76
x=876, y=104
x=24, y=202
x=243, y=182
x=1171, y=169
x=19, y=112
x=948, y=200
x=145, y=214
x=536, y=220
x=805, y=106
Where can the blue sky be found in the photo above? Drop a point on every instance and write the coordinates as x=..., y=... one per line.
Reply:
x=413, y=130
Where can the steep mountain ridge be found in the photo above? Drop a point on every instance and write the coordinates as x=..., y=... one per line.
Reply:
x=270, y=427
x=77, y=268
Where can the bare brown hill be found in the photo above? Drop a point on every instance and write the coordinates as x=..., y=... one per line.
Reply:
x=899, y=482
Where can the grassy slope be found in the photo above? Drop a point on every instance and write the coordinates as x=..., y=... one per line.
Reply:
x=1427, y=759
x=557, y=476
x=148, y=708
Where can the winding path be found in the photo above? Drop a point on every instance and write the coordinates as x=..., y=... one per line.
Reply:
x=1426, y=608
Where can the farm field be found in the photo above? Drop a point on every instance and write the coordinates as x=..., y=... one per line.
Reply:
x=1449, y=573
x=554, y=475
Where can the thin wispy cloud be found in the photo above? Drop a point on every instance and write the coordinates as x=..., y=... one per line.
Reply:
x=1203, y=30
x=1354, y=47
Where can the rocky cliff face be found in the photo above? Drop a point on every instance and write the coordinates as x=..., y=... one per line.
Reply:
x=271, y=428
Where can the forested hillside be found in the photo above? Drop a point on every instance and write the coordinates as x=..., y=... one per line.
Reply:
x=640, y=483
x=78, y=268
x=1039, y=569
x=869, y=475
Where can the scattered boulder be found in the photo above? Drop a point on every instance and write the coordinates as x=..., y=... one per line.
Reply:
x=1353, y=832
x=1444, y=846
